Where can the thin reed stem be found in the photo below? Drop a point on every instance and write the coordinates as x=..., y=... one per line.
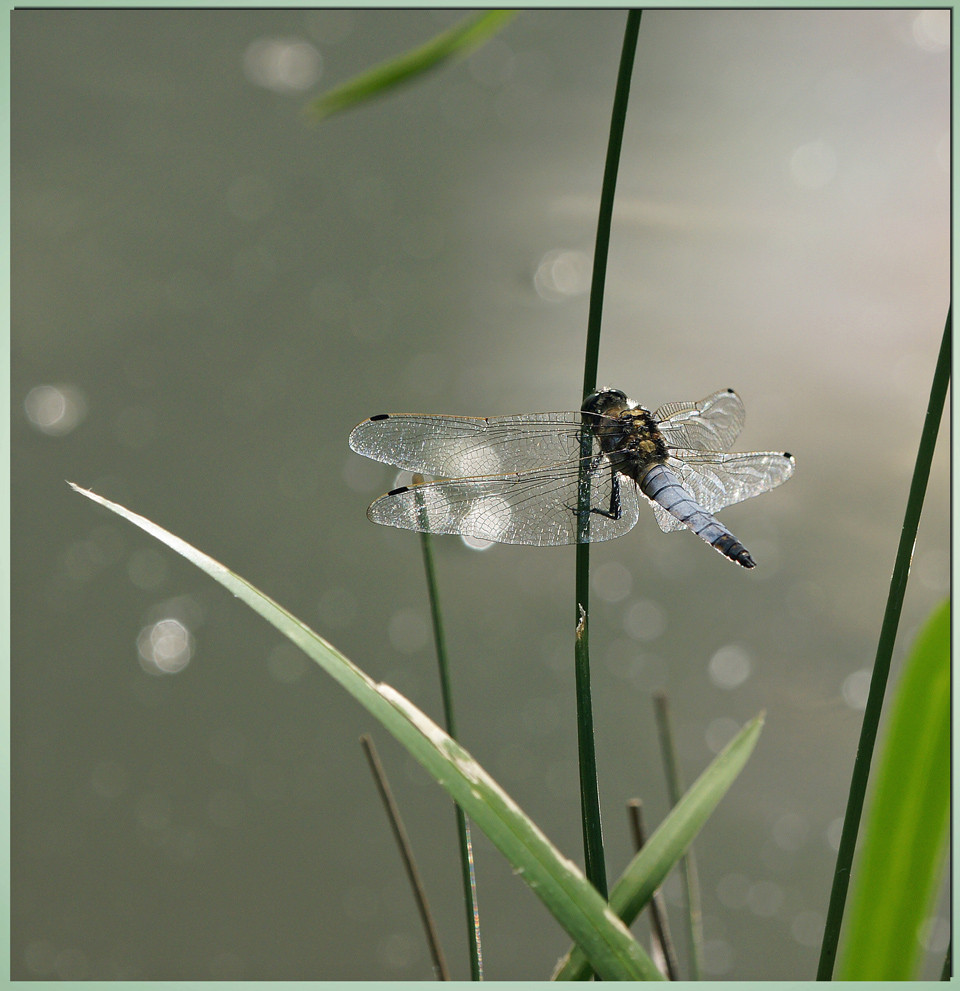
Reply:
x=658, y=909
x=589, y=789
x=465, y=843
x=406, y=854
x=881, y=666
x=688, y=863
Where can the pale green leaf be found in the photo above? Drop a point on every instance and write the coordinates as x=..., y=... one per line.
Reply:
x=905, y=831
x=459, y=40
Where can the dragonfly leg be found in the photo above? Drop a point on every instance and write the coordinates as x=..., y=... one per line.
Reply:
x=613, y=513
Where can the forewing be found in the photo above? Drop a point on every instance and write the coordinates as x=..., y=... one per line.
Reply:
x=462, y=446
x=716, y=480
x=529, y=507
x=712, y=424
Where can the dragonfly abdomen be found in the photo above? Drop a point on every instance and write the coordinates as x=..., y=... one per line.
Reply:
x=662, y=486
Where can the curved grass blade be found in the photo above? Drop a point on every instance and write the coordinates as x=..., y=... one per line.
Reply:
x=570, y=898
x=646, y=872
x=904, y=842
x=458, y=41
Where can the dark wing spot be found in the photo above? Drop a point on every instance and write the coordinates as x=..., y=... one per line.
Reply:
x=380, y=416
x=787, y=454
x=730, y=390
x=403, y=488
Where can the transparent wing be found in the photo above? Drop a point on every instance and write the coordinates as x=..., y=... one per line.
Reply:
x=666, y=521
x=717, y=480
x=712, y=424
x=455, y=446
x=529, y=507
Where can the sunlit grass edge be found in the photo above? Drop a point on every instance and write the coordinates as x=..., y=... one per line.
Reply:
x=570, y=898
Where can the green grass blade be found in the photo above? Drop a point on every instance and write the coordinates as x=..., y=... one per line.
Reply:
x=666, y=846
x=570, y=898
x=459, y=40
x=904, y=842
x=881, y=666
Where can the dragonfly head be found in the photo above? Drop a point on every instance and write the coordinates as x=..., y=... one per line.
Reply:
x=606, y=402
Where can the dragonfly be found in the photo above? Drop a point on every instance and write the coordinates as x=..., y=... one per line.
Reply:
x=572, y=477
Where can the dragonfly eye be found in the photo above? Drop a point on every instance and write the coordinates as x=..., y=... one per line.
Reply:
x=602, y=402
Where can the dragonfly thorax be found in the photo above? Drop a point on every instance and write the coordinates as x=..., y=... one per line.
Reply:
x=627, y=433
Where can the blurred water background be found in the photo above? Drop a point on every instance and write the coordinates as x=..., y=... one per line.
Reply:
x=208, y=294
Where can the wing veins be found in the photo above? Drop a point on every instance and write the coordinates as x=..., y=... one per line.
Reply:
x=537, y=506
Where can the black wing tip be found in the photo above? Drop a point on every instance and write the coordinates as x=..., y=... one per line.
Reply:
x=789, y=456
x=380, y=416
x=403, y=488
